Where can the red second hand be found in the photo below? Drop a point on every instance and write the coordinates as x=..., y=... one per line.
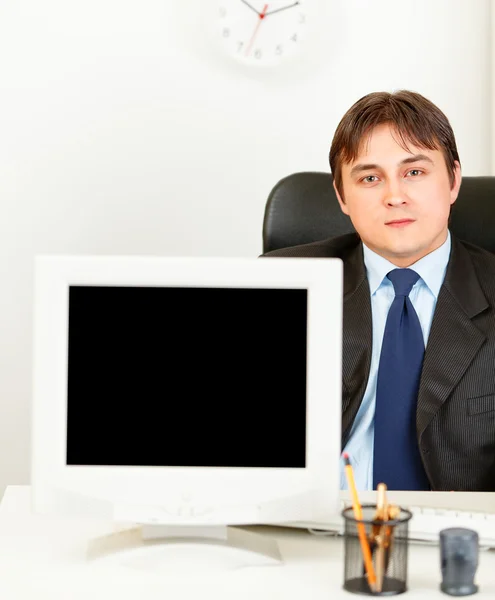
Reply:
x=261, y=17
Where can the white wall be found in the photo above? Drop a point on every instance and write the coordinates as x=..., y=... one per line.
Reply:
x=121, y=131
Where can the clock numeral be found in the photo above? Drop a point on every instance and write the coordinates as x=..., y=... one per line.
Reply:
x=294, y=37
x=279, y=50
x=257, y=53
x=226, y=32
x=301, y=18
x=240, y=46
x=222, y=11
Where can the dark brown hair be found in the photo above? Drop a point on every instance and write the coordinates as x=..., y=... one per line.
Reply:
x=415, y=119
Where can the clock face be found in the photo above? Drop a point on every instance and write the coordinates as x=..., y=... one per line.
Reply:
x=259, y=32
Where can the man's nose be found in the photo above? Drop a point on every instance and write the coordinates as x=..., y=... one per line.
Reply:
x=394, y=193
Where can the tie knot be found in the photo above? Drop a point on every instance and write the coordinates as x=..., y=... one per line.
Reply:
x=403, y=280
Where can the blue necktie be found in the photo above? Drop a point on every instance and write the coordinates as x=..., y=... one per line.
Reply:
x=396, y=458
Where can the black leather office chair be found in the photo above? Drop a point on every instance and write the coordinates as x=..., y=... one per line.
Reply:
x=303, y=208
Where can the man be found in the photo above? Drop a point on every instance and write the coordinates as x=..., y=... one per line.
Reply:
x=418, y=402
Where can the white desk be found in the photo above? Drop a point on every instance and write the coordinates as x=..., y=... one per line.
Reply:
x=43, y=558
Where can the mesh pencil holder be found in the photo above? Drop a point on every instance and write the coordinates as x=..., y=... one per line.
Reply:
x=380, y=568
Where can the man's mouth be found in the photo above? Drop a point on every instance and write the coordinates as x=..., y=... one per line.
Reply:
x=399, y=222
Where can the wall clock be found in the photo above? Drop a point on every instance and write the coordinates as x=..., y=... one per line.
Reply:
x=261, y=32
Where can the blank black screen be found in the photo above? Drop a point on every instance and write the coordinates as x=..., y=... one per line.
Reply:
x=199, y=377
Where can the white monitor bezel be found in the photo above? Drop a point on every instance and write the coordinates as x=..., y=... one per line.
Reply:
x=235, y=494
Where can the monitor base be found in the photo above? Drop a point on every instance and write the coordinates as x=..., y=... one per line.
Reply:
x=158, y=545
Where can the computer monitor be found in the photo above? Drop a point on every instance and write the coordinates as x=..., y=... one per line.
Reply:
x=187, y=390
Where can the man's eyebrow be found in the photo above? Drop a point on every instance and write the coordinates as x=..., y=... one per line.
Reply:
x=359, y=168
x=363, y=167
x=416, y=158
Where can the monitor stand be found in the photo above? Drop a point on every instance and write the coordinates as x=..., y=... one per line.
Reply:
x=141, y=542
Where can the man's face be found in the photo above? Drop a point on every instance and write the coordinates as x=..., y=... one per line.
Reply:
x=398, y=201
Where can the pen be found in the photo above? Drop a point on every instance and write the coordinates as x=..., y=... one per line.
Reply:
x=358, y=515
x=393, y=514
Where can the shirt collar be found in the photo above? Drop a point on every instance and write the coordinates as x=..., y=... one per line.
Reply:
x=431, y=268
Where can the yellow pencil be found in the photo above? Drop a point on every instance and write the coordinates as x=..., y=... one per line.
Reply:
x=358, y=515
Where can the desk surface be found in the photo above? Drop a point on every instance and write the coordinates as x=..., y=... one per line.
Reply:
x=43, y=558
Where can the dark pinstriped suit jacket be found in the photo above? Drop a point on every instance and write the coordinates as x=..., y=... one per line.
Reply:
x=455, y=416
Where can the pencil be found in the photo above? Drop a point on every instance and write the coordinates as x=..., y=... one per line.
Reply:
x=382, y=515
x=358, y=515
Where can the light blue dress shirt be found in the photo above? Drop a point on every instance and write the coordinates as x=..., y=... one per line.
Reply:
x=424, y=294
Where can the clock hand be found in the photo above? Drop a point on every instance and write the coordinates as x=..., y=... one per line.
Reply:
x=251, y=7
x=272, y=12
x=261, y=17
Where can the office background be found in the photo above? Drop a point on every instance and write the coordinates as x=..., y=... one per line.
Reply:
x=122, y=131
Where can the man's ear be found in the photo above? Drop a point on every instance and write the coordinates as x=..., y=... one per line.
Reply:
x=343, y=205
x=454, y=191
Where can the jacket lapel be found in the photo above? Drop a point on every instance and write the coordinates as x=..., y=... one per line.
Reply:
x=356, y=352
x=460, y=299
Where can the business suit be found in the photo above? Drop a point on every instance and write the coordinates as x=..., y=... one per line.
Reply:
x=455, y=416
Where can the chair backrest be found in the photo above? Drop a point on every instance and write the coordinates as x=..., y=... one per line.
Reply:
x=303, y=208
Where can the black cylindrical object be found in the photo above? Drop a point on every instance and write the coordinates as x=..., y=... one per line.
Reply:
x=458, y=561
x=388, y=544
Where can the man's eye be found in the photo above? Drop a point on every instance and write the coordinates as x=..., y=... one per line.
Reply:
x=370, y=179
x=414, y=172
